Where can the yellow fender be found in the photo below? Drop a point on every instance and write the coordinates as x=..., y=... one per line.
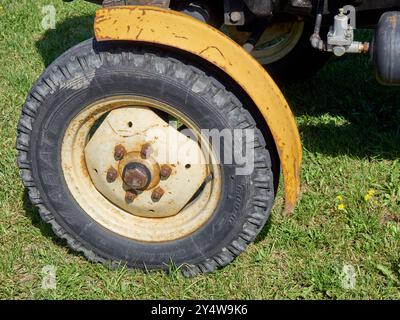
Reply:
x=173, y=29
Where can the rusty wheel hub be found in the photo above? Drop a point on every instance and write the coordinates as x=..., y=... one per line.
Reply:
x=136, y=176
x=151, y=169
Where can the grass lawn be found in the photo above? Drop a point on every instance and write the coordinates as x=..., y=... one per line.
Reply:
x=350, y=128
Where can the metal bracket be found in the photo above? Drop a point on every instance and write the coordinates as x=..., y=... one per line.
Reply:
x=350, y=11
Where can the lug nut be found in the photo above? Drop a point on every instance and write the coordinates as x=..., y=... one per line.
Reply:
x=119, y=152
x=157, y=194
x=130, y=196
x=146, y=151
x=112, y=175
x=165, y=171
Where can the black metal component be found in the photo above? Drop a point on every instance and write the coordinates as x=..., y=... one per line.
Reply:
x=301, y=3
x=374, y=4
x=210, y=12
x=386, y=49
x=260, y=8
x=259, y=27
x=370, y=11
x=195, y=9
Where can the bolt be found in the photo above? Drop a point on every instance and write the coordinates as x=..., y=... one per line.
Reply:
x=235, y=16
x=157, y=194
x=165, y=171
x=130, y=196
x=146, y=151
x=119, y=152
x=136, y=176
x=112, y=175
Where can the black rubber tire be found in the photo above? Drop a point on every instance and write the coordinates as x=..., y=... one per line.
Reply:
x=300, y=63
x=91, y=71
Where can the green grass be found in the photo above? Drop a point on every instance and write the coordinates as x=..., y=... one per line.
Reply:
x=351, y=137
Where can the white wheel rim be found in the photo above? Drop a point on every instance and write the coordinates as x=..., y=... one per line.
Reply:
x=105, y=212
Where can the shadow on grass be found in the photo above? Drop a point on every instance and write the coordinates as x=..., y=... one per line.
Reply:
x=33, y=214
x=67, y=34
x=344, y=111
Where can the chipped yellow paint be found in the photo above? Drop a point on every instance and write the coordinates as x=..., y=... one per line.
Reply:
x=173, y=29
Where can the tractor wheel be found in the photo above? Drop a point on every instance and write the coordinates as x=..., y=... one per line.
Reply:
x=285, y=50
x=96, y=155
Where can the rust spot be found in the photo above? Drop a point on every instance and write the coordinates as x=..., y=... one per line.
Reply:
x=104, y=38
x=214, y=48
x=84, y=166
x=365, y=48
x=100, y=20
x=179, y=37
x=139, y=33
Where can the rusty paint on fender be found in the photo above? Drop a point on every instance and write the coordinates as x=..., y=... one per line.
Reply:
x=171, y=28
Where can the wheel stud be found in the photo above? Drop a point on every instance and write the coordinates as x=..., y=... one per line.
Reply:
x=112, y=175
x=165, y=171
x=157, y=194
x=146, y=151
x=119, y=152
x=130, y=196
